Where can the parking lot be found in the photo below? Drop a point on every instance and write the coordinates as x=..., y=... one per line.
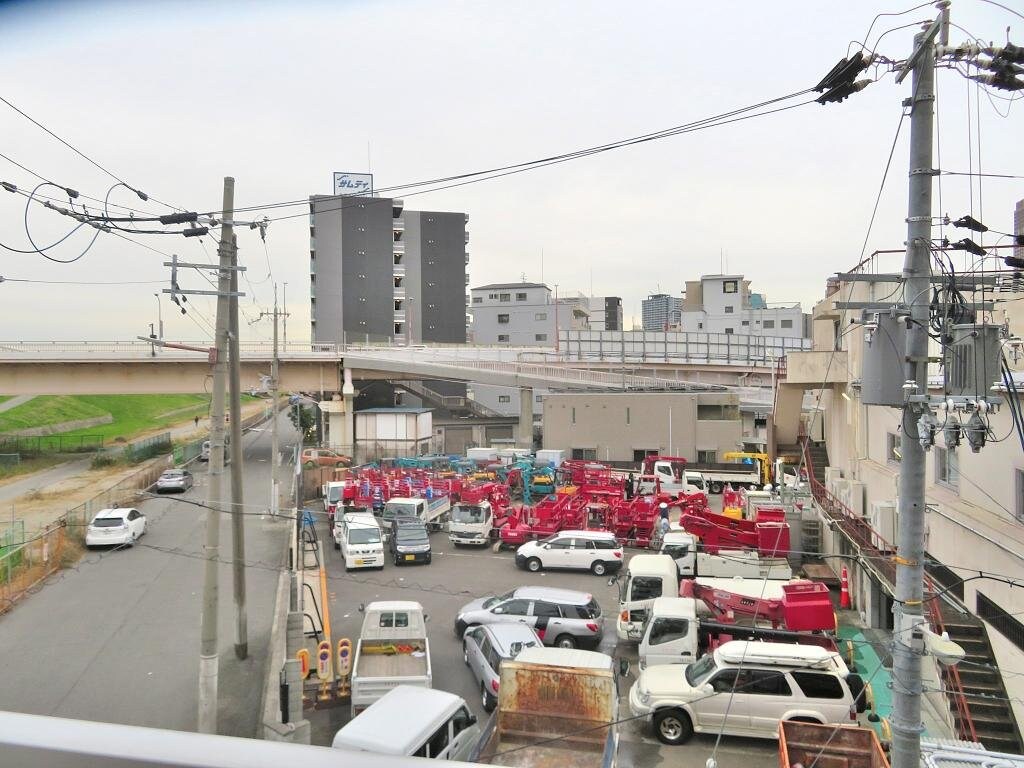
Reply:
x=458, y=575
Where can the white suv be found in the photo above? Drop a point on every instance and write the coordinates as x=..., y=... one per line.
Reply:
x=746, y=688
x=596, y=551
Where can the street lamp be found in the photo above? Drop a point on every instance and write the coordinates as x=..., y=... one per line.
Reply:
x=159, y=315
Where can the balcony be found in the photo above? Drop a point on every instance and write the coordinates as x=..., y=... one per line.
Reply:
x=467, y=235
x=398, y=225
x=399, y=294
x=467, y=259
x=817, y=369
x=398, y=247
x=398, y=270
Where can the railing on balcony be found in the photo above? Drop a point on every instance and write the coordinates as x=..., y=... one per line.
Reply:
x=879, y=556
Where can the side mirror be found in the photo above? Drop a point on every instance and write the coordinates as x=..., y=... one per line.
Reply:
x=362, y=607
x=497, y=609
x=472, y=719
x=612, y=580
x=426, y=618
x=623, y=667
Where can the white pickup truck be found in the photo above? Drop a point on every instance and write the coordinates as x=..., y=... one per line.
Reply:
x=727, y=563
x=392, y=650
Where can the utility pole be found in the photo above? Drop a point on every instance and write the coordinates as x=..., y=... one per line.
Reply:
x=275, y=449
x=908, y=646
x=237, y=501
x=284, y=301
x=208, y=658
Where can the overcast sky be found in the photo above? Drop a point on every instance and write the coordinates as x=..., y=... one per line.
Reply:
x=173, y=96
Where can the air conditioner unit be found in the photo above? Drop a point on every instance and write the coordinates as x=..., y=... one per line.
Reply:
x=855, y=497
x=832, y=474
x=838, y=488
x=883, y=518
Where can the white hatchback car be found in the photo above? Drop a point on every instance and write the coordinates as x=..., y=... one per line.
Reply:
x=596, y=551
x=115, y=526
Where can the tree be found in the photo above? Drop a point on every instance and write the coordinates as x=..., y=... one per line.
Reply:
x=303, y=419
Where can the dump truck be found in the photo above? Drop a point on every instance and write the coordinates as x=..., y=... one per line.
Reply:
x=807, y=744
x=557, y=708
x=392, y=650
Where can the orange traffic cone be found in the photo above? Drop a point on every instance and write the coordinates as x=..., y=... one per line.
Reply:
x=844, y=589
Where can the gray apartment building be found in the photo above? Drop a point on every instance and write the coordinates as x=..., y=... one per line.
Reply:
x=380, y=273
x=660, y=312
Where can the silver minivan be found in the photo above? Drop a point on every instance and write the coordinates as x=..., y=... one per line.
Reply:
x=561, y=617
x=486, y=646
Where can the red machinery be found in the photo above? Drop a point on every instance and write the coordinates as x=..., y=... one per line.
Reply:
x=550, y=515
x=497, y=494
x=804, y=606
x=594, y=473
x=769, y=534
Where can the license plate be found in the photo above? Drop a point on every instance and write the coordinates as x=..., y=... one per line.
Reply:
x=410, y=557
x=360, y=562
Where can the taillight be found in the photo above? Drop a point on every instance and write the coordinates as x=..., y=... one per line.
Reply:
x=853, y=714
x=624, y=616
x=618, y=553
x=494, y=685
x=592, y=626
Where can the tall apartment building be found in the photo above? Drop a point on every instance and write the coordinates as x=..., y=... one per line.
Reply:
x=725, y=304
x=660, y=312
x=378, y=272
x=521, y=314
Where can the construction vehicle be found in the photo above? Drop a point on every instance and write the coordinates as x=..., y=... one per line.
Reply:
x=432, y=511
x=550, y=515
x=670, y=472
x=481, y=510
x=768, y=534
x=800, y=606
x=741, y=470
x=683, y=548
x=557, y=707
x=672, y=633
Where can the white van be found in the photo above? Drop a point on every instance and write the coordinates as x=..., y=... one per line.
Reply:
x=761, y=684
x=434, y=724
x=358, y=536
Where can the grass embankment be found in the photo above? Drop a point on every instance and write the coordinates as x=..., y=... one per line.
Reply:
x=28, y=466
x=133, y=415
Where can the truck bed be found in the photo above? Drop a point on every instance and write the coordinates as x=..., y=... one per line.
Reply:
x=545, y=756
x=372, y=664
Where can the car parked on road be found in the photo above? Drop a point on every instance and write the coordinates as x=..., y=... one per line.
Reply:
x=121, y=526
x=486, y=646
x=561, y=617
x=357, y=535
x=409, y=541
x=324, y=457
x=596, y=551
x=204, y=454
x=174, y=480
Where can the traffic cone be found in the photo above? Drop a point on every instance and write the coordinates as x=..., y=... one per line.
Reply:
x=844, y=589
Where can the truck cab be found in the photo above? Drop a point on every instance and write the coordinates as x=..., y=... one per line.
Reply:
x=647, y=577
x=357, y=535
x=670, y=634
x=471, y=523
x=402, y=507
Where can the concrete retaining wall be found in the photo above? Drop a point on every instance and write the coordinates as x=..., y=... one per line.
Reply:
x=60, y=427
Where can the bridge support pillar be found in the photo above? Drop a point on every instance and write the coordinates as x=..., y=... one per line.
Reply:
x=524, y=431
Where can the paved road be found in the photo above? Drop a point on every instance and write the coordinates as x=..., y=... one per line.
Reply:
x=457, y=576
x=117, y=639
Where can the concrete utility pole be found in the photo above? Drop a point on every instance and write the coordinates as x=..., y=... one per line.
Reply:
x=208, y=658
x=284, y=301
x=908, y=645
x=275, y=447
x=237, y=501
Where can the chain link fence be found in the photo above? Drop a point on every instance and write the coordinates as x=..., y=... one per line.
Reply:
x=33, y=445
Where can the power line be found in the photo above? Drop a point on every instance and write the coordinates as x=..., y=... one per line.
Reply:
x=80, y=282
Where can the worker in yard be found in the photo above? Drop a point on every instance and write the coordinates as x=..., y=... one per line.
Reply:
x=664, y=524
x=629, y=486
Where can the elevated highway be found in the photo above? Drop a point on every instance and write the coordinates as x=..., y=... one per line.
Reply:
x=137, y=367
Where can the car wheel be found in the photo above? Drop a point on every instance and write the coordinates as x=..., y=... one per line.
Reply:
x=565, y=641
x=487, y=699
x=397, y=561
x=716, y=487
x=533, y=565
x=599, y=568
x=428, y=559
x=672, y=726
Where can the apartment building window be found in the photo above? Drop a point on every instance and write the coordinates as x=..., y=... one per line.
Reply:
x=947, y=468
x=627, y=415
x=540, y=337
x=502, y=338
x=586, y=454
x=504, y=398
x=639, y=454
x=893, y=444
x=478, y=299
x=541, y=316
x=520, y=297
x=539, y=398
x=492, y=295
x=744, y=323
x=728, y=331
x=573, y=415
x=504, y=297
x=729, y=286
x=398, y=259
x=717, y=412
x=707, y=457
x=398, y=305
x=786, y=323
x=768, y=324
x=503, y=319
x=729, y=310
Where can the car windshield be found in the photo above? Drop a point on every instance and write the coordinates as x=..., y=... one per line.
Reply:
x=334, y=493
x=411, y=535
x=465, y=513
x=700, y=671
x=394, y=509
x=366, y=535
x=499, y=598
x=108, y=522
x=173, y=474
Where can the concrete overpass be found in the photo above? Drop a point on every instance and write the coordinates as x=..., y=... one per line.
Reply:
x=114, y=367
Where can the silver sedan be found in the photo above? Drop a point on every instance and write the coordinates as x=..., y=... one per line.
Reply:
x=174, y=480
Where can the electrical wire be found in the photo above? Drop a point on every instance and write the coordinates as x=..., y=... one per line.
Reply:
x=4, y=279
